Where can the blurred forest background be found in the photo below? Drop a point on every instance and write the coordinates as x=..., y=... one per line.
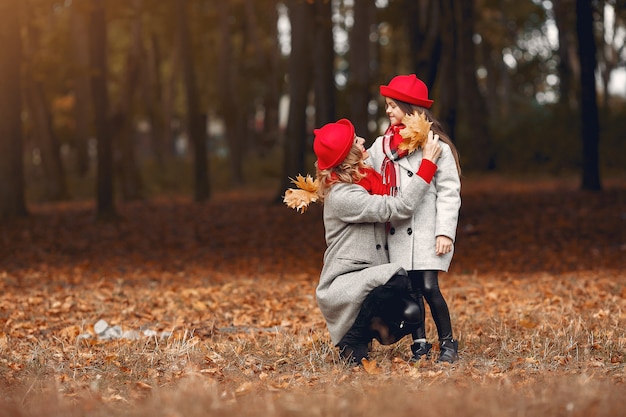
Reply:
x=183, y=120
x=127, y=99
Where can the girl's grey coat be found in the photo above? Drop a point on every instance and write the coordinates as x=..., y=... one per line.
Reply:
x=356, y=260
x=412, y=240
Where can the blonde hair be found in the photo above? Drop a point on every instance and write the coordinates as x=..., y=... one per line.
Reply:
x=349, y=171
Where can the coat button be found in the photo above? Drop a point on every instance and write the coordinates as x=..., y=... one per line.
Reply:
x=386, y=247
x=409, y=173
x=409, y=231
x=392, y=231
x=378, y=246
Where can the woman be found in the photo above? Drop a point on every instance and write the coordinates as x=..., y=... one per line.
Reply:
x=360, y=294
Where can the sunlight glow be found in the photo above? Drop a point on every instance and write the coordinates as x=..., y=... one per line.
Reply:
x=284, y=29
x=509, y=59
x=617, y=84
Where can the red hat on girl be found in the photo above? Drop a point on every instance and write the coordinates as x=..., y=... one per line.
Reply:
x=332, y=143
x=407, y=88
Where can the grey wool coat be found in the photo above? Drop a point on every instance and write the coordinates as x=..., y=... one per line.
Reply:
x=412, y=240
x=356, y=260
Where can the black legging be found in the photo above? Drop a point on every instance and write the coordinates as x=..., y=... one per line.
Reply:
x=426, y=284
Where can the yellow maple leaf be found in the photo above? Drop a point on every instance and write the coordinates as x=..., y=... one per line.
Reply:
x=306, y=193
x=415, y=132
x=306, y=183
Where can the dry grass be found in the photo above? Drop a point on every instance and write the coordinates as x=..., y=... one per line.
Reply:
x=530, y=345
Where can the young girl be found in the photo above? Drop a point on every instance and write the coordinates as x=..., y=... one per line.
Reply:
x=358, y=287
x=429, y=234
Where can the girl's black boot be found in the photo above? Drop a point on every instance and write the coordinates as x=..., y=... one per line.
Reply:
x=449, y=351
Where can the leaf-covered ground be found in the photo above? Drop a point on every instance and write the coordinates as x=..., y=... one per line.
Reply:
x=215, y=307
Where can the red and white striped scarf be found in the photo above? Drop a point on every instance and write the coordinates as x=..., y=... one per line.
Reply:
x=389, y=169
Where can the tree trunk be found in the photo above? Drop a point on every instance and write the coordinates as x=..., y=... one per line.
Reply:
x=505, y=78
x=564, y=17
x=359, y=64
x=12, y=203
x=229, y=92
x=472, y=102
x=125, y=159
x=151, y=87
x=41, y=117
x=492, y=81
x=589, y=106
x=324, y=68
x=273, y=75
x=195, y=126
x=80, y=84
x=255, y=13
x=448, y=85
x=46, y=139
x=299, y=73
x=98, y=48
x=423, y=23
x=169, y=95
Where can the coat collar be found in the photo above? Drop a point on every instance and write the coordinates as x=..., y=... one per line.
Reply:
x=406, y=163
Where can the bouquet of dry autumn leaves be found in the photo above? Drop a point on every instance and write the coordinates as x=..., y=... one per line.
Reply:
x=414, y=136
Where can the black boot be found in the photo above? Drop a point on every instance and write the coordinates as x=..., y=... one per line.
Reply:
x=420, y=350
x=353, y=354
x=354, y=345
x=449, y=351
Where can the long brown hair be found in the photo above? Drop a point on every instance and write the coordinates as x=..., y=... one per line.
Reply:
x=348, y=171
x=436, y=127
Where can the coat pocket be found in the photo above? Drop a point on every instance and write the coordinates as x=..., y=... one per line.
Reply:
x=355, y=261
